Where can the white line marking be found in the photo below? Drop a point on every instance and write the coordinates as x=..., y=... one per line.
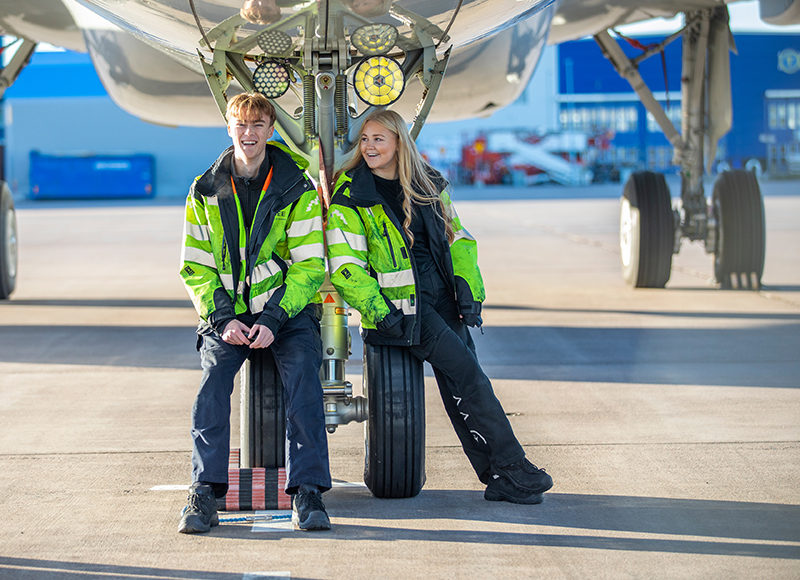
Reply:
x=340, y=483
x=172, y=487
x=273, y=525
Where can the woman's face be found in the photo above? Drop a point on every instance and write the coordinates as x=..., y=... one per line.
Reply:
x=379, y=149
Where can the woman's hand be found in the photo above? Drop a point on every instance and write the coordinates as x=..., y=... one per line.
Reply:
x=472, y=319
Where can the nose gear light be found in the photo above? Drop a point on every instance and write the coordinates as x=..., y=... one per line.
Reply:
x=275, y=42
x=374, y=39
x=378, y=80
x=271, y=79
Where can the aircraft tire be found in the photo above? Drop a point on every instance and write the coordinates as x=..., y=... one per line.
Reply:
x=394, y=434
x=646, y=230
x=267, y=411
x=8, y=243
x=741, y=233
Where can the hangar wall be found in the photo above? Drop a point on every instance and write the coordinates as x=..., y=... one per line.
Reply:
x=57, y=106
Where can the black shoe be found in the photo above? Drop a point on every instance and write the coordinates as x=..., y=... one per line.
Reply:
x=201, y=512
x=308, y=511
x=526, y=476
x=500, y=489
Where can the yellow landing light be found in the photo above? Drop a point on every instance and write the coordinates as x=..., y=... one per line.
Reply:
x=379, y=80
x=271, y=78
x=374, y=39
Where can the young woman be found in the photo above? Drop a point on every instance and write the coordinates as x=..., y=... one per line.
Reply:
x=398, y=254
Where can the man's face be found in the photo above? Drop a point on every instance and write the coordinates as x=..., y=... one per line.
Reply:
x=250, y=137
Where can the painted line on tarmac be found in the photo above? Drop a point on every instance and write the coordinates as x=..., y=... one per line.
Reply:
x=173, y=487
x=273, y=525
x=181, y=487
x=340, y=483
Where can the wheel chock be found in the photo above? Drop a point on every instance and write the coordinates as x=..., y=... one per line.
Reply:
x=254, y=488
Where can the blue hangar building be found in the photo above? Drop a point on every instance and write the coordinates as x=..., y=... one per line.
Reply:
x=64, y=138
x=765, y=79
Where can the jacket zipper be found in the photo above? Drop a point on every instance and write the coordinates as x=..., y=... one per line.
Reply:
x=389, y=241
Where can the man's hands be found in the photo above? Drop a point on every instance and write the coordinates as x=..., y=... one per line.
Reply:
x=237, y=332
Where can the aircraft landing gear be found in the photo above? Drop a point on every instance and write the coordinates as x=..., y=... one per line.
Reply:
x=8, y=243
x=732, y=226
x=738, y=209
x=394, y=434
x=322, y=122
x=646, y=230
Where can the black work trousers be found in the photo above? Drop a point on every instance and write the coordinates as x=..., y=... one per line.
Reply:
x=469, y=400
x=298, y=355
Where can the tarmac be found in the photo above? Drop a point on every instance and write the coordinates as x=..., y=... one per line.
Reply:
x=669, y=419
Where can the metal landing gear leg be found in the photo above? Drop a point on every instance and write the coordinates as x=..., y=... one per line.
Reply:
x=732, y=227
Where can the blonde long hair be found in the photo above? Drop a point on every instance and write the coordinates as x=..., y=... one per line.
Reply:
x=413, y=171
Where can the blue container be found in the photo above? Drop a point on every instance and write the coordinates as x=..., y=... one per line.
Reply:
x=91, y=176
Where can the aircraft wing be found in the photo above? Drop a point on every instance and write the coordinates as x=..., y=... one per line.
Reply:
x=146, y=53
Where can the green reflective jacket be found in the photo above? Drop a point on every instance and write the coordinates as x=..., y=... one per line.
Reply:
x=282, y=264
x=370, y=263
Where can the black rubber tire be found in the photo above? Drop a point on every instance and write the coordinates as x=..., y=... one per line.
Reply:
x=741, y=231
x=394, y=464
x=267, y=411
x=648, y=235
x=8, y=243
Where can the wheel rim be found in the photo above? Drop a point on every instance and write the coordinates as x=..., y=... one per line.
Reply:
x=625, y=232
x=11, y=244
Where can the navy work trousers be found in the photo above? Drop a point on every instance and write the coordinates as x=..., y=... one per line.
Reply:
x=469, y=400
x=298, y=355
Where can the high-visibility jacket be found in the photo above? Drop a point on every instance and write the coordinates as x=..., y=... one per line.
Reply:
x=372, y=266
x=282, y=264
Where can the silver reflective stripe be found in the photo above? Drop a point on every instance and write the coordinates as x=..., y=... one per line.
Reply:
x=307, y=251
x=355, y=241
x=304, y=227
x=212, y=200
x=263, y=271
x=463, y=234
x=405, y=305
x=243, y=254
x=197, y=231
x=258, y=302
x=227, y=281
x=449, y=208
x=198, y=256
x=395, y=279
x=339, y=261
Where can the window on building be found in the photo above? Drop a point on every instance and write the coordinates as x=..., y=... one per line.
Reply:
x=781, y=114
x=772, y=115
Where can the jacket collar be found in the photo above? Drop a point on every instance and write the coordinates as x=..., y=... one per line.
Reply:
x=217, y=179
x=362, y=185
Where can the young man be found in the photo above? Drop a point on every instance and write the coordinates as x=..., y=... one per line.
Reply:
x=253, y=260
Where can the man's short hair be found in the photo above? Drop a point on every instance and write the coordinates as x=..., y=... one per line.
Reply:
x=250, y=107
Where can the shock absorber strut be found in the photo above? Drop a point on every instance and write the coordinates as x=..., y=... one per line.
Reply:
x=309, y=100
x=340, y=106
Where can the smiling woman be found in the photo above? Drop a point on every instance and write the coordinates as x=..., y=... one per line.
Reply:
x=379, y=149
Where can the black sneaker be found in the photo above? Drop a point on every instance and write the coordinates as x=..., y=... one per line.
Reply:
x=201, y=512
x=308, y=511
x=500, y=489
x=526, y=476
